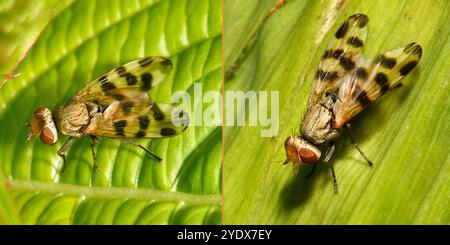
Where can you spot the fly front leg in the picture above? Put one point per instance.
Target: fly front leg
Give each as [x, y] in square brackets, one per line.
[327, 158]
[143, 148]
[94, 155]
[312, 171]
[352, 139]
[63, 149]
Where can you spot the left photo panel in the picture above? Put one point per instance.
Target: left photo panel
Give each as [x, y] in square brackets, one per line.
[111, 112]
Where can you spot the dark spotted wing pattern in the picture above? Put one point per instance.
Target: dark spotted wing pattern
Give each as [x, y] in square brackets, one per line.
[132, 119]
[130, 80]
[373, 79]
[341, 56]
[125, 109]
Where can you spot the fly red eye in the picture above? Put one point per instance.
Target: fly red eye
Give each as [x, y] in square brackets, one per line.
[43, 126]
[47, 136]
[308, 156]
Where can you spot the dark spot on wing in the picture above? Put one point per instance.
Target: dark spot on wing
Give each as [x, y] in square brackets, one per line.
[362, 98]
[146, 61]
[381, 79]
[157, 113]
[126, 107]
[146, 81]
[103, 79]
[167, 62]
[342, 30]
[338, 53]
[413, 48]
[327, 54]
[333, 53]
[384, 89]
[361, 19]
[346, 63]
[140, 134]
[407, 68]
[355, 42]
[143, 122]
[119, 126]
[397, 85]
[326, 75]
[361, 73]
[131, 79]
[107, 86]
[386, 61]
[118, 97]
[120, 70]
[168, 132]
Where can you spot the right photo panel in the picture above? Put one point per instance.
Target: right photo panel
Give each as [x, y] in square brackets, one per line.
[336, 112]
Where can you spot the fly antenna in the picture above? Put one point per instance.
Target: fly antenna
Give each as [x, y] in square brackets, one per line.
[284, 162]
[30, 135]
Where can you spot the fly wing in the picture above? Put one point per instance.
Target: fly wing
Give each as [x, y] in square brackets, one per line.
[341, 56]
[129, 81]
[367, 83]
[125, 109]
[138, 119]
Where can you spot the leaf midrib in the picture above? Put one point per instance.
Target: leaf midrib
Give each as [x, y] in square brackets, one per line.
[112, 192]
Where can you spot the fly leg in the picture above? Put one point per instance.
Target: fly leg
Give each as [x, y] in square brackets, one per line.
[94, 155]
[312, 171]
[295, 165]
[63, 149]
[327, 158]
[352, 139]
[143, 148]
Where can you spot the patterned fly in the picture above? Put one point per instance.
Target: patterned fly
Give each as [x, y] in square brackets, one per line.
[115, 105]
[343, 85]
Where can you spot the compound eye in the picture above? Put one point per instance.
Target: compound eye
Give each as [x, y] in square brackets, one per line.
[43, 126]
[308, 156]
[48, 136]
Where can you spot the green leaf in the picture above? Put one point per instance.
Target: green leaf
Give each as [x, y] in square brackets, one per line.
[83, 41]
[21, 22]
[406, 133]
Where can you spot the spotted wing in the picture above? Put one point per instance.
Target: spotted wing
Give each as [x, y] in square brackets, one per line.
[124, 107]
[367, 83]
[341, 56]
[129, 81]
[138, 119]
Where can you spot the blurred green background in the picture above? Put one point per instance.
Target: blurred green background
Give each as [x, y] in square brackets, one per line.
[76, 41]
[405, 133]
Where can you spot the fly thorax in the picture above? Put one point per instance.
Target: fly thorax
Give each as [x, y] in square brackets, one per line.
[316, 126]
[71, 119]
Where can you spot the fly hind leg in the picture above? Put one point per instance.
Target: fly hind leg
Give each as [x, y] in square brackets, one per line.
[94, 155]
[143, 148]
[352, 139]
[327, 158]
[312, 171]
[63, 149]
